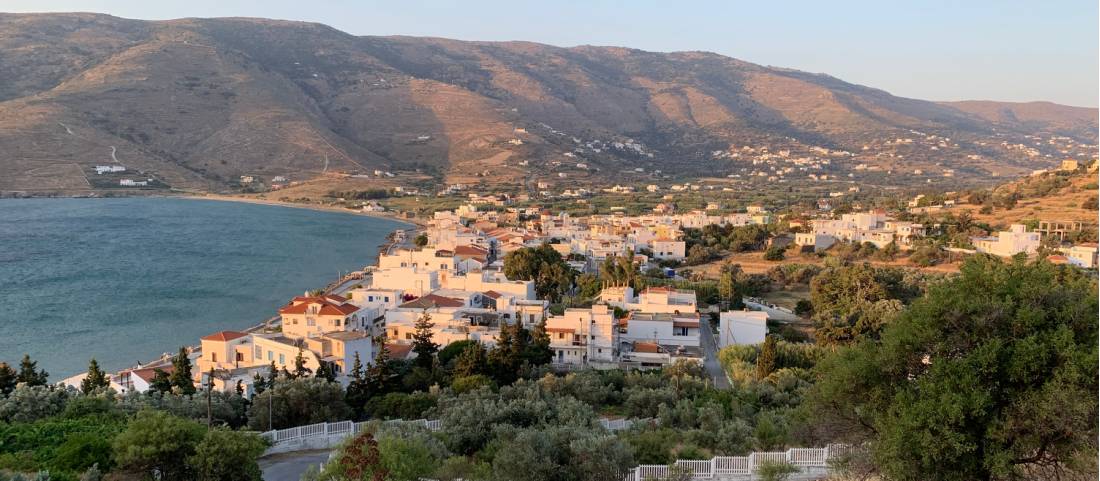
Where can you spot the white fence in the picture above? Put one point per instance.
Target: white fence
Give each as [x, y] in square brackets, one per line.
[326, 435]
[344, 429]
[807, 460]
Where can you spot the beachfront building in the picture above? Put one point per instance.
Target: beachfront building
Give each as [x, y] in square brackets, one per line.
[308, 316]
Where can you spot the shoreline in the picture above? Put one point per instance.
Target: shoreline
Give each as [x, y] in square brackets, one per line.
[162, 361]
[320, 208]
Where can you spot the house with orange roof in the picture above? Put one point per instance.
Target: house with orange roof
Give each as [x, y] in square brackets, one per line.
[308, 316]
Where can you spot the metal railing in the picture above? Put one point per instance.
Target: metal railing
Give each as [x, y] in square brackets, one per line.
[337, 429]
[725, 466]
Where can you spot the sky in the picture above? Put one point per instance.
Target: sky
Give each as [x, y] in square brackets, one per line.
[1005, 50]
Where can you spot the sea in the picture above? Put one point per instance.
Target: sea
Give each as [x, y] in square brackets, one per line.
[124, 280]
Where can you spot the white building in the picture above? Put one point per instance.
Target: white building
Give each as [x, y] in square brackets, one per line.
[742, 327]
[1008, 243]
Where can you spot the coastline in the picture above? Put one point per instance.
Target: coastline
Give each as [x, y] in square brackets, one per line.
[322, 208]
[274, 320]
[265, 321]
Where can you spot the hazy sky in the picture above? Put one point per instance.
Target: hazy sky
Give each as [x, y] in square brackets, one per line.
[935, 50]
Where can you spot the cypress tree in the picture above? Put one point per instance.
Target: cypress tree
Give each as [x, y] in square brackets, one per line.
[765, 362]
[161, 382]
[30, 374]
[96, 378]
[538, 351]
[356, 394]
[7, 378]
[423, 346]
[181, 374]
[300, 369]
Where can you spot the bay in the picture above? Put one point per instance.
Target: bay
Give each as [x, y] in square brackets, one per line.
[124, 280]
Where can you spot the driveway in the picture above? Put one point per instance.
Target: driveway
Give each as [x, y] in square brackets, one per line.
[710, 360]
[291, 466]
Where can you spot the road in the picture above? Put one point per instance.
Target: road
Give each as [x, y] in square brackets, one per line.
[773, 314]
[710, 360]
[291, 466]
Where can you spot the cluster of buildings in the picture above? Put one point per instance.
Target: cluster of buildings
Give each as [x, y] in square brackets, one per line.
[458, 282]
[874, 227]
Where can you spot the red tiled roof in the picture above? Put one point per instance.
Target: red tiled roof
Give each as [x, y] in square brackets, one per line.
[647, 347]
[331, 305]
[399, 351]
[689, 324]
[432, 300]
[493, 294]
[1058, 259]
[470, 250]
[560, 329]
[224, 336]
[147, 373]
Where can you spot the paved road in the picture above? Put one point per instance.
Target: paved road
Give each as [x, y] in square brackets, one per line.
[290, 466]
[710, 353]
[773, 314]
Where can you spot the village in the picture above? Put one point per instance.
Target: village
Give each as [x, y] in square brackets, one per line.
[451, 272]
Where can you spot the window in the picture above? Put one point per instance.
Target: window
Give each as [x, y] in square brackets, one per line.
[561, 336]
[386, 299]
[336, 322]
[240, 356]
[270, 355]
[282, 358]
[408, 335]
[213, 357]
[259, 353]
[310, 322]
[370, 298]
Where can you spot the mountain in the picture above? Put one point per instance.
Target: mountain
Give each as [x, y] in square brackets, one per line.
[196, 103]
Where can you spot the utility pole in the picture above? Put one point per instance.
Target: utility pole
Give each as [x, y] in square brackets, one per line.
[209, 390]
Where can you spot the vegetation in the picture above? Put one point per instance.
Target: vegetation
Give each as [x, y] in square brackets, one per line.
[552, 275]
[991, 375]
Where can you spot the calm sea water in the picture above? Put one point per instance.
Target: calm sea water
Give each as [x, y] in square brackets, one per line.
[124, 280]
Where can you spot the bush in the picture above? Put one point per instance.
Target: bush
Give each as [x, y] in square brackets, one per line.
[224, 454]
[298, 402]
[158, 442]
[470, 383]
[776, 471]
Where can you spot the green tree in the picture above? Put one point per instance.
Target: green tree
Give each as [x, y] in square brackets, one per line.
[774, 253]
[326, 370]
[96, 378]
[423, 345]
[538, 351]
[851, 302]
[382, 373]
[421, 240]
[181, 373]
[29, 373]
[7, 378]
[300, 369]
[991, 375]
[81, 451]
[357, 394]
[224, 454]
[157, 444]
[161, 382]
[297, 402]
[472, 361]
[552, 275]
[765, 361]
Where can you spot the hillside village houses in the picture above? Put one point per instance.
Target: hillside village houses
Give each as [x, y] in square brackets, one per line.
[1008, 243]
[874, 227]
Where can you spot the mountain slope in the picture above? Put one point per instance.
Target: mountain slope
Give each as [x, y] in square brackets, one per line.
[195, 103]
